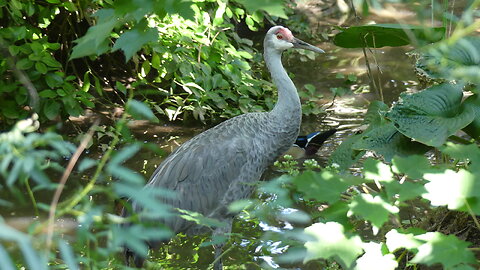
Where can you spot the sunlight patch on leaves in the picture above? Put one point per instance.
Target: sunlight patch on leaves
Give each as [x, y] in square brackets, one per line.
[375, 259]
[396, 240]
[330, 241]
[450, 188]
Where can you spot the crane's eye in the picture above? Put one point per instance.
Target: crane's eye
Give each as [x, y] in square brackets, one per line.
[279, 36]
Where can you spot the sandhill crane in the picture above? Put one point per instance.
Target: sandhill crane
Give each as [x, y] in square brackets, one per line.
[219, 165]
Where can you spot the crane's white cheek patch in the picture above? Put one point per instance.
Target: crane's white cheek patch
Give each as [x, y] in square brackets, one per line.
[283, 45]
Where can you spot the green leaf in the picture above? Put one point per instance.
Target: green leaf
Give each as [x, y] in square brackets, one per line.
[67, 255]
[404, 191]
[139, 111]
[432, 115]
[24, 64]
[345, 156]
[473, 129]
[200, 219]
[322, 187]
[469, 152]
[374, 209]
[47, 93]
[330, 241]
[375, 113]
[414, 166]
[447, 250]
[376, 170]
[51, 109]
[381, 35]
[132, 41]
[272, 7]
[53, 80]
[96, 40]
[156, 64]
[459, 60]
[375, 259]
[86, 163]
[337, 212]
[41, 67]
[387, 141]
[5, 259]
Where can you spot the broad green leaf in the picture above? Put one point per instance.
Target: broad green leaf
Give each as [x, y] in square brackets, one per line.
[375, 113]
[324, 186]
[376, 170]
[337, 212]
[67, 255]
[384, 139]
[96, 40]
[375, 259]
[374, 209]
[330, 241]
[5, 259]
[459, 60]
[41, 67]
[414, 166]
[133, 40]
[473, 129]
[432, 115]
[447, 250]
[51, 109]
[469, 152]
[200, 219]
[381, 35]
[345, 156]
[24, 63]
[272, 7]
[53, 80]
[404, 191]
[139, 110]
[47, 94]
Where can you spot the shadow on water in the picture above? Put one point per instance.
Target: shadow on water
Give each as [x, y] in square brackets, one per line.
[345, 113]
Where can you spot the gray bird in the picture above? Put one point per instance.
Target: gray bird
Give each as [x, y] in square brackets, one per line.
[220, 165]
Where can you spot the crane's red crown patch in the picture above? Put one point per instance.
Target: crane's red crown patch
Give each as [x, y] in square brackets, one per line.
[286, 33]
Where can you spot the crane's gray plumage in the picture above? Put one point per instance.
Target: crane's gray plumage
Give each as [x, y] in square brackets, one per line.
[218, 166]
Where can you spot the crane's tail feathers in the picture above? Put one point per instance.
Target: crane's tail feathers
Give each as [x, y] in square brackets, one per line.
[317, 140]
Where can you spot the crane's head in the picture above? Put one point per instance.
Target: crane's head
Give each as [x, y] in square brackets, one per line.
[281, 39]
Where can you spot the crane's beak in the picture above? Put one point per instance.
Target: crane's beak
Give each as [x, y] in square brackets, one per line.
[297, 43]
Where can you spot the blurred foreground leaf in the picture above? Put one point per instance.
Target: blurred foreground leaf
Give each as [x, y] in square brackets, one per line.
[330, 241]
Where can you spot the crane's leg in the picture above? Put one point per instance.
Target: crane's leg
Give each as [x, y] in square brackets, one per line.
[221, 231]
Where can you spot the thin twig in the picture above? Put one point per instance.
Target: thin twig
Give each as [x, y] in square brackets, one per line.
[91, 184]
[63, 180]
[221, 255]
[470, 211]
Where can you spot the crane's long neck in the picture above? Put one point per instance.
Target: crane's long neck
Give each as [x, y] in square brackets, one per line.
[288, 104]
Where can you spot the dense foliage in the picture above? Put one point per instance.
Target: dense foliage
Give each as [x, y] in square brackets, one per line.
[414, 205]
